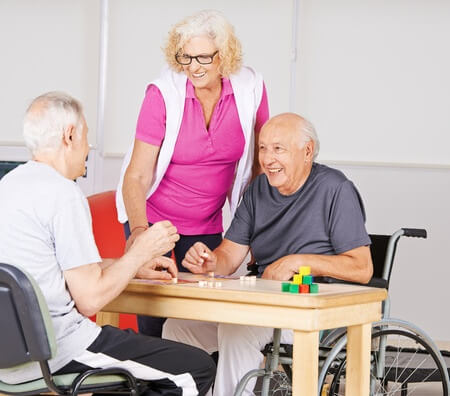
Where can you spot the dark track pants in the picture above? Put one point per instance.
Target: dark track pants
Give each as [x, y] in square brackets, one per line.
[171, 368]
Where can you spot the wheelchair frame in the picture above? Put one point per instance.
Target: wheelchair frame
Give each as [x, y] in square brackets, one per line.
[279, 354]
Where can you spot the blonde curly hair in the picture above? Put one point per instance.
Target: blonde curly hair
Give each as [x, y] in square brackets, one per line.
[212, 24]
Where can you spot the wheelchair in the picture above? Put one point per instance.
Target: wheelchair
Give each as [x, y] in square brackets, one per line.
[403, 357]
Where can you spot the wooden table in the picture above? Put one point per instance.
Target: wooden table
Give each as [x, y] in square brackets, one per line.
[263, 304]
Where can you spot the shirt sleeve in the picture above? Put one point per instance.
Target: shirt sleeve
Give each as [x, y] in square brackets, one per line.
[151, 124]
[241, 227]
[73, 236]
[347, 218]
[262, 115]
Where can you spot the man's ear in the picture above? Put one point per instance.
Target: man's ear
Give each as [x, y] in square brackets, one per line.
[68, 136]
[309, 150]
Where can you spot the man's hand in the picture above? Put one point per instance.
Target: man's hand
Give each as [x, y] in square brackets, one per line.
[200, 259]
[132, 237]
[282, 269]
[158, 268]
[153, 242]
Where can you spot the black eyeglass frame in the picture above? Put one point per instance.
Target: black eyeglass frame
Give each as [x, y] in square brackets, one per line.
[196, 58]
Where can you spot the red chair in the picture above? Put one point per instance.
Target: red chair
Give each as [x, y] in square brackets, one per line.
[109, 237]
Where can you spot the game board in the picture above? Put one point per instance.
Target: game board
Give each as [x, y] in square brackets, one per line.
[236, 283]
[187, 278]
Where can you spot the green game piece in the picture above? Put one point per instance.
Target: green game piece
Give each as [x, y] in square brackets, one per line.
[285, 286]
[293, 288]
[314, 288]
[307, 279]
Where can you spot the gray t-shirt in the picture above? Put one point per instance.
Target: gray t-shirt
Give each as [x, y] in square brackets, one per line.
[46, 228]
[325, 216]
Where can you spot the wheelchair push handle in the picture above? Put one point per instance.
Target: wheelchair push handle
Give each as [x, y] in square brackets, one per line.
[415, 232]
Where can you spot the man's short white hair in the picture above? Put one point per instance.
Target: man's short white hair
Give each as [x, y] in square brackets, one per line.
[308, 133]
[46, 119]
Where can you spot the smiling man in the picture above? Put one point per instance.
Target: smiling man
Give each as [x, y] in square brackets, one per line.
[298, 213]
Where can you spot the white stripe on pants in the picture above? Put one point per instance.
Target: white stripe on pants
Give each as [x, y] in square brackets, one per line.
[138, 370]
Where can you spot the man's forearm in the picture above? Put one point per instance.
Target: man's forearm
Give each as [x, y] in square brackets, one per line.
[339, 266]
[93, 286]
[228, 260]
[106, 262]
[223, 266]
[354, 265]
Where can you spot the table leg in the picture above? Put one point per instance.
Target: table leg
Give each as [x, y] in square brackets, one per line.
[358, 360]
[305, 361]
[107, 318]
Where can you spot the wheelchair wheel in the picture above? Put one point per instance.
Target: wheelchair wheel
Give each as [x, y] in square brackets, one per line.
[280, 385]
[402, 363]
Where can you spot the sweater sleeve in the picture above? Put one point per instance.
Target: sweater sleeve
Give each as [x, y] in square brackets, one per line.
[262, 115]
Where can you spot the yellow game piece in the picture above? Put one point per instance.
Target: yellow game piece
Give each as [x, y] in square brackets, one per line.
[297, 279]
[304, 270]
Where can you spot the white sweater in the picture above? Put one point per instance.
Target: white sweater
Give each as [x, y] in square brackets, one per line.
[247, 88]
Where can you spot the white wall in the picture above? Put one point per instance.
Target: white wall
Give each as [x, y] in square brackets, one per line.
[374, 78]
[371, 75]
[46, 45]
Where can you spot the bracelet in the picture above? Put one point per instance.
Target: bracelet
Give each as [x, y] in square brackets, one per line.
[135, 228]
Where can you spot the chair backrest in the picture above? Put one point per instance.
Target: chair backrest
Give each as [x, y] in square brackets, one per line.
[108, 232]
[109, 237]
[378, 251]
[383, 251]
[25, 326]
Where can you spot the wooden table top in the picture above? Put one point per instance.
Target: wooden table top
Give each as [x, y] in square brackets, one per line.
[261, 292]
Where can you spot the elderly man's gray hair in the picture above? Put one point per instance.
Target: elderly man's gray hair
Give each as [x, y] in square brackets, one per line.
[47, 117]
[308, 133]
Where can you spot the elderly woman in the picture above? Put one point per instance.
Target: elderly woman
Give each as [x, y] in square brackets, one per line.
[195, 138]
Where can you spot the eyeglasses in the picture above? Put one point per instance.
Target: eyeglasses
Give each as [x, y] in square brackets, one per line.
[185, 59]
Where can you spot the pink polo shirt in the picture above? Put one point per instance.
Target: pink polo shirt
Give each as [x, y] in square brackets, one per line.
[194, 188]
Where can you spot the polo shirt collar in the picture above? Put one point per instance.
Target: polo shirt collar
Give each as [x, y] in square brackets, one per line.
[226, 88]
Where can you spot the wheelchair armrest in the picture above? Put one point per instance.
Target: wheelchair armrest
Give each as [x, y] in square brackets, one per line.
[374, 282]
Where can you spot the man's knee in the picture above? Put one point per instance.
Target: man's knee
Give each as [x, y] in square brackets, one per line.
[175, 329]
[244, 336]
